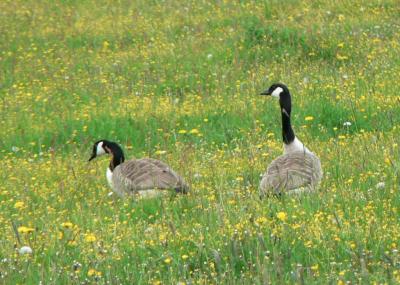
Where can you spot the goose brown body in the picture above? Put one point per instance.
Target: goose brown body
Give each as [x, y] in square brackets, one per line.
[292, 172]
[145, 176]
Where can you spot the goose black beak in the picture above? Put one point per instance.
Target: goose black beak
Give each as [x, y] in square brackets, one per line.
[93, 156]
[266, 92]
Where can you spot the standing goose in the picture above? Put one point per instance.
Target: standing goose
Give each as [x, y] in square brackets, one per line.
[144, 177]
[298, 169]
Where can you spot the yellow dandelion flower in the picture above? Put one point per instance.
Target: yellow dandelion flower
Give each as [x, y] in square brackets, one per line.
[309, 118]
[315, 267]
[90, 238]
[25, 230]
[161, 152]
[185, 256]
[341, 57]
[261, 220]
[19, 205]
[72, 243]
[182, 132]
[194, 131]
[67, 225]
[167, 260]
[281, 216]
[91, 272]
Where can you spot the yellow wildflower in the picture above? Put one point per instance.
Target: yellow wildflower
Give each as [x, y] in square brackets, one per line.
[341, 57]
[25, 230]
[90, 238]
[309, 118]
[67, 225]
[19, 205]
[282, 216]
[261, 220]
[91, 272]
[315, 267]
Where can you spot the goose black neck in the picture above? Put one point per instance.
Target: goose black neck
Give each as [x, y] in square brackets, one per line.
[117, 155]
[286, 108]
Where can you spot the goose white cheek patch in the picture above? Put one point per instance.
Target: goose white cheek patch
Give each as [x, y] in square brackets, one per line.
[100, 149]
[277, 92]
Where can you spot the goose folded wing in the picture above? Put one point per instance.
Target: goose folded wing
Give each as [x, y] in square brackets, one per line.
[148, 174]
[292, 171]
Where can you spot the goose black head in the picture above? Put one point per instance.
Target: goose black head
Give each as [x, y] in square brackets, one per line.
[280, 91]
[106, 147]
[99, 148]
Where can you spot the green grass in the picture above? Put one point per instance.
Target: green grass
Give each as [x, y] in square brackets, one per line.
[179, 81]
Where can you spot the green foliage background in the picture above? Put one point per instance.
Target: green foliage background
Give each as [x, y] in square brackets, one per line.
[178, 81]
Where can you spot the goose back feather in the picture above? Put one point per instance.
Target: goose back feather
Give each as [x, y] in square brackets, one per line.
[291, 172]
[139, 176]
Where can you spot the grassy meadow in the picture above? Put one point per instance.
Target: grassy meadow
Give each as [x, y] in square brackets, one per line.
[179, 81]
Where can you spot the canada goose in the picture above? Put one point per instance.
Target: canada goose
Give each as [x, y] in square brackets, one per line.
[145, 177]
[298, 169]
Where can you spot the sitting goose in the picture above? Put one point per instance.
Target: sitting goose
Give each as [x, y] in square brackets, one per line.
[145, 177]
[298, 169]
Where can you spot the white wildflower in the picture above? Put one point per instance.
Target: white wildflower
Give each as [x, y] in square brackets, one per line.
[197, 175]
[25, 250]
[380, 185]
